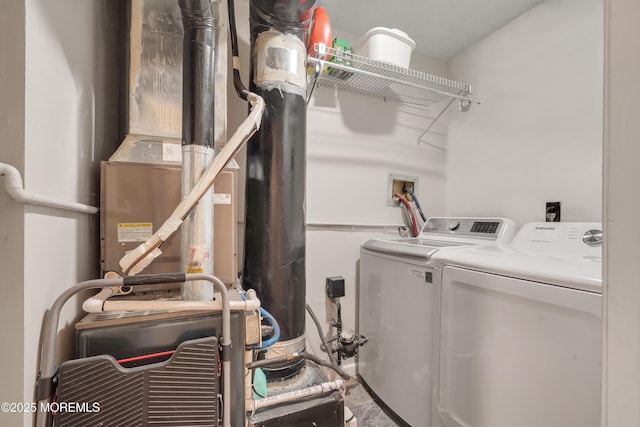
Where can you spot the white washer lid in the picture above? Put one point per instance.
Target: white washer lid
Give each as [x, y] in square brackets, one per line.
[411, 247]
[445, 232]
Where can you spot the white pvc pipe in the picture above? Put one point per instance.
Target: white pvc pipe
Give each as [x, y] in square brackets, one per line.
[104, 294]
[98, 303]
[139, 258]
[167, 305]
[15, 189]
[296, 394]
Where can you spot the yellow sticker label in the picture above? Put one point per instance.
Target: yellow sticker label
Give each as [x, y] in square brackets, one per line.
[195, 270]
[134, 231]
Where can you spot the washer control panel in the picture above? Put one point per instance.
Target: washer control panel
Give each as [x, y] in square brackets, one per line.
[476, 227]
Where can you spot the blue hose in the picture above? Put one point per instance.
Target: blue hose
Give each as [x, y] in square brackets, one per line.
[274, 324]
[276, 329]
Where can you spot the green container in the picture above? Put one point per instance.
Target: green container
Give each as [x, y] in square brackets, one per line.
[259, 384]
[342, 49]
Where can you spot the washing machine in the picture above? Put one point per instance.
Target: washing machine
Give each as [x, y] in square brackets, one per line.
[521, 330]
[398, 290]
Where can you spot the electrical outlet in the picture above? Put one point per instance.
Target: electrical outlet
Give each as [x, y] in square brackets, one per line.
[396, 183]
[552, 212]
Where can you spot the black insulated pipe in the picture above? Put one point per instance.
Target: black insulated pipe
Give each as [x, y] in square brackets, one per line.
[241, 90]
[286, 16]
[198, 72]
[274, 263]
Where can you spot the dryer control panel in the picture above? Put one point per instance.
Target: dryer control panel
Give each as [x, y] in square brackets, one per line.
[561, 240]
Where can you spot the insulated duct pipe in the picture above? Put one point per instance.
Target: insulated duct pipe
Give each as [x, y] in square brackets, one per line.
[274, 263]
[197, 141]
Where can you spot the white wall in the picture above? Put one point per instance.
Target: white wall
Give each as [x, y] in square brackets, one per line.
[538, 135]
[68, 96]
[353, 142]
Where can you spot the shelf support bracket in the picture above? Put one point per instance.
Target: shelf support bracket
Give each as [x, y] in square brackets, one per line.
[317, 70]
[464, 105]
[436, 118]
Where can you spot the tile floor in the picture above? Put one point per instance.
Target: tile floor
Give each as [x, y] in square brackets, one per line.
[365, 409]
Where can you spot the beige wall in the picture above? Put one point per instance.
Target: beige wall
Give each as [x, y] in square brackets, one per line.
[12, 35]
[621, 396]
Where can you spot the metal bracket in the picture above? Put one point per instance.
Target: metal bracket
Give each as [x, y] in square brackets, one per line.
[464, 105]
[316, 75]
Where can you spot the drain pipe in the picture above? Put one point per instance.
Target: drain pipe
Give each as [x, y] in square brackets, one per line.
[100, 303]
[15, 189]
[198, 82]
[274, 263]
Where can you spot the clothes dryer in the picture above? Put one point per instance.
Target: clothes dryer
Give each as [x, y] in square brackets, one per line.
[521, 330]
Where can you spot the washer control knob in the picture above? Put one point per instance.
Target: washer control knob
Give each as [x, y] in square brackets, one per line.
[592, 237]
[453, 225]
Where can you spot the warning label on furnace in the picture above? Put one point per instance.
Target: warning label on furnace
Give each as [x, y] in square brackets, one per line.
[134, 231]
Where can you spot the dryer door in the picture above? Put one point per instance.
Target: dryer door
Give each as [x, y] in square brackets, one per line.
[518, 353]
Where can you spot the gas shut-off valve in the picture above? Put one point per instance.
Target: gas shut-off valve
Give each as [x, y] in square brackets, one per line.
[344, 343]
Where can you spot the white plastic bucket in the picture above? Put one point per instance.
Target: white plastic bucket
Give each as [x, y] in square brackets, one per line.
[386, 45]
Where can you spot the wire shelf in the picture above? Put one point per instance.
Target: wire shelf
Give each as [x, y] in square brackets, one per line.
[362, 75]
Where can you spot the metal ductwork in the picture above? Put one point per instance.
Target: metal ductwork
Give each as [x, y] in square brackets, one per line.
[274, 263]
[198, 81]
